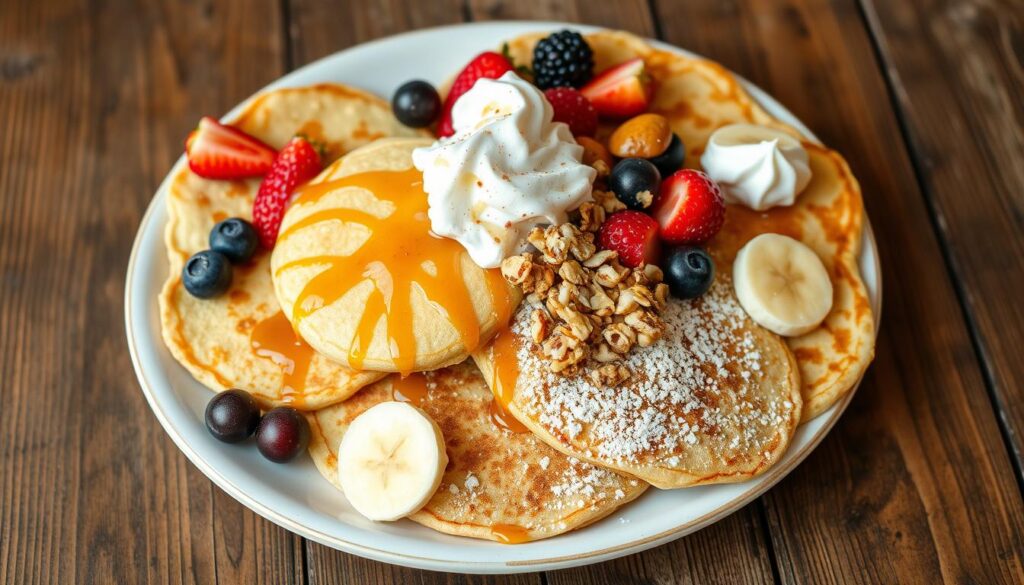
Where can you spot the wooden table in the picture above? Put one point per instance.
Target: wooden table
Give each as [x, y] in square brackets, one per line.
[920, 481]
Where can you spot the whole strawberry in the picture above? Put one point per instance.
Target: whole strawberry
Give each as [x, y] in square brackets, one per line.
[634, 235]
[295, 164]
[575, 110]
[490, 65]
[690, 208]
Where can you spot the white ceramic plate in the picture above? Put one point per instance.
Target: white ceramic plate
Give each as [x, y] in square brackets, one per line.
[295, 496]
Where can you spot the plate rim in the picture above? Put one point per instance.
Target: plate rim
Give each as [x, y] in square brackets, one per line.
[766, 481]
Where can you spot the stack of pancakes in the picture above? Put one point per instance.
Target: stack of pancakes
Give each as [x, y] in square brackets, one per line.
[716, 400]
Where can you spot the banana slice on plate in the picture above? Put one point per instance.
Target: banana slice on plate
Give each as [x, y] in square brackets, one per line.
[782, 284]
[391, 460]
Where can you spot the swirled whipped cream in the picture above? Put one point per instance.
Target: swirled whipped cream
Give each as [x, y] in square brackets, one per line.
[507, 169]
[756, 166]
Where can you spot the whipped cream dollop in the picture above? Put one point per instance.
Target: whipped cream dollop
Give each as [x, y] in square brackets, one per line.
[756, 166]
[507, 169]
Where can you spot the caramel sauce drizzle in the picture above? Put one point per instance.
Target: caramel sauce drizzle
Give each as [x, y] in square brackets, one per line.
[401, 251]
[274, 339]
[510, 533]
[505, 376]
[411, 389]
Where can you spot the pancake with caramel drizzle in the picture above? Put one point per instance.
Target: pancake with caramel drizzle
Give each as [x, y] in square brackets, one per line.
[699, 96]
[364, 280]
[242, 339]
[498, 485]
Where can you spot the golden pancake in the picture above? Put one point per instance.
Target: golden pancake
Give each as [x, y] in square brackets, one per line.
[499, 485]
[364, 281]
[213, 339]
[716, 400]
[699, 96]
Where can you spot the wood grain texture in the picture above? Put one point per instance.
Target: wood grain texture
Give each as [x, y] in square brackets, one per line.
[914, 485]
[957, 71]
[95, 100]
[328, 567]
[318, 28]
[731, 551]
[915, 482]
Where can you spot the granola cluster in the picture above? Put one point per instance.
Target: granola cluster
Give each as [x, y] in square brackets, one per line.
[589, 310]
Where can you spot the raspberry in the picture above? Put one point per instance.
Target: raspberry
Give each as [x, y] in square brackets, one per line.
[575, 110]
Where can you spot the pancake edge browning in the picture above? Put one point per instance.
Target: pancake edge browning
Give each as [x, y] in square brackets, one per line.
[256, 117]
[326, 463]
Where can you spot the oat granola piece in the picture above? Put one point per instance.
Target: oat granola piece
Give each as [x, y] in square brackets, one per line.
[589, 310]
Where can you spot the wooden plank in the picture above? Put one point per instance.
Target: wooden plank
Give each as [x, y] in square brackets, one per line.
[95, 100]
[956, 71]
[914, 484]
[731, 551]
[317, 28]
[328, 566]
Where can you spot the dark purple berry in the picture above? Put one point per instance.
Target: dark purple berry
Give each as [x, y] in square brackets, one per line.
[283, 434]
[232, 416]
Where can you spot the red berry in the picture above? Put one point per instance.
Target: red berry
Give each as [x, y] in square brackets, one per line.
[490, 65]
[690, 208]
[216, 151]
[620, 92]
[297, 163]
[634, 235]
[575, 110]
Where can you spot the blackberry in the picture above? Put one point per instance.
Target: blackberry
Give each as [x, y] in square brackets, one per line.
[563, 59]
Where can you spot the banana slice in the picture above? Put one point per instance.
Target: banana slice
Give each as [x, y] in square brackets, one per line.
[391, 460]
[782, 284]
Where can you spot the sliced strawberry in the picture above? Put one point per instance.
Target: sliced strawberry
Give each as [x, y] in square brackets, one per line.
[572, 108]
[490, 65]
[216, 151]
[634, 235]
[690, 208]
[297, 163]
[622, 91]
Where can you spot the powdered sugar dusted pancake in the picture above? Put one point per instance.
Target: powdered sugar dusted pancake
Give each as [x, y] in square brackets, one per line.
[699, 96]
[716, 400]
[211, 338]
[498, 485]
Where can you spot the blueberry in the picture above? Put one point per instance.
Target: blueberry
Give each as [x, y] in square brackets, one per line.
[671, 160]
[635, 182]
[235, 238]
[416, 104]
[689, 271]
[232, 416]
[283, 434]
[207, 274]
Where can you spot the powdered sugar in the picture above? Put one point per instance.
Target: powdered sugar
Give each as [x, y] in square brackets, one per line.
[701, 388]
[581, 484]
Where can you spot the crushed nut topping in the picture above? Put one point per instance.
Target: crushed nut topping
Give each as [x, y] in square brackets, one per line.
[588, 309]
[645, 198]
